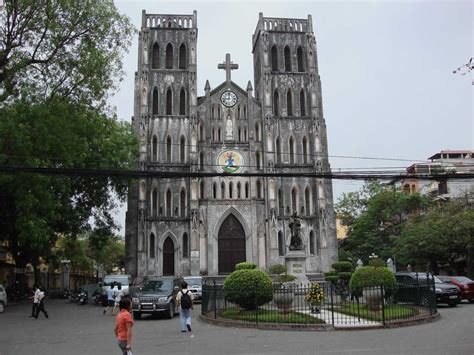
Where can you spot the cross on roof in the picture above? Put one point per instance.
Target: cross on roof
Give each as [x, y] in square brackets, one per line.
[228, 66]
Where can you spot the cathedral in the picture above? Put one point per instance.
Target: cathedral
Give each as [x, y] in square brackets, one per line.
[240, 141]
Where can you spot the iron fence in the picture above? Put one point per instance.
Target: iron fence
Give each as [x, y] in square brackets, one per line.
[289, 304]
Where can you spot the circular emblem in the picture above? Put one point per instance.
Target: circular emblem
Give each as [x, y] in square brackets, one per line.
[230, 161]
[229, 98]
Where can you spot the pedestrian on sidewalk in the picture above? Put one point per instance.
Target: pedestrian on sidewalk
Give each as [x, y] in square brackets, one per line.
[118, 296]
[41, 298]
[184, 301]
[110, 298]
[123, 326]
[35, 301]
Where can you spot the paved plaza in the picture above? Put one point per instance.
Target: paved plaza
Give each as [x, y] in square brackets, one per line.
[74, 329]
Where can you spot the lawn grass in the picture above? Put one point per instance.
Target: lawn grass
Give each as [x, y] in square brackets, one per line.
[266, 316]
[392, 311]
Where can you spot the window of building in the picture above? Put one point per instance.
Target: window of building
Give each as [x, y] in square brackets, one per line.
[201, 190]
[169, 56]
[151, 247]
[185, 246]
[182, 57]
[276, 104]
[311, 243]
[154, 203]
[302, 103]
[155, 102]
[246, 190]
[155, 57]
[259, 189]
[257, 160]
[168, 149]
[222, 190]
[287, 59]
[201, 161]
[168, 203]
[182, 150]
[214, 190]
[294, 196]
[231, 190]
[154, 149]
[182, 203]
[274, 58]
[305, 150]
[289, 103]
[299, 55]
[201, 132]
[238, 190]
[182, 102]
[169, 102]
[281, 244]
[292, 150]
[278, 150]
[257, 132]
[307, 200]
[281, 207]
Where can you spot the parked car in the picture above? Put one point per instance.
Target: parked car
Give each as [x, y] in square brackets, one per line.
[108, 280]
[157, 296]
[3, 299]
[195, 286]
[465, 285]
[409, 290]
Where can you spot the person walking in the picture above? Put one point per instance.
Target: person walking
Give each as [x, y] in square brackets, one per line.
[110, 298]
[123, 326]
[35, 301]
[184, 300]
[40, 308]
[118, 296]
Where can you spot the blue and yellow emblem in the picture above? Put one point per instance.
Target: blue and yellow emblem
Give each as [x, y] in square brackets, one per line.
[230, 161]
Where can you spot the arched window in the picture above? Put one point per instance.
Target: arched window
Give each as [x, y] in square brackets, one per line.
[289, 103]
[246, 190]
[287, 59]
[281, 244]
[257, 132]
[168, 203]
[276, 104]
[274, 58]
[185, 246]
[299, 55]
[238, 190]
[239, 134]
[155, 102]
[238, 112]
[154, 203]
[292, 151]
[302, 103]
[169, 56]
[182, 57]
[307, 201]
[218, 112]
[231, 190]
[201, 161]
[257, 160]
[154, 149]
[155, 57]
[151, 247]
[278, 150]
[259, 189]
[222, 190]
[281, 207]
[214, 190]
[305, 150]
[201, 133]
[294, 196]
[182, 102]
[182, 150]
[201, 189]
[168, 149]
[182, 203]
[169, 102]
[311, 243]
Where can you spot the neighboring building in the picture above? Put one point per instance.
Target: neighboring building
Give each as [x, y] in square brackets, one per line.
[341, 230]
[183, 226]
[459, 161]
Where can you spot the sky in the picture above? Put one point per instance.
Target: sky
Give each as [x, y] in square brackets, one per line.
[386, 69]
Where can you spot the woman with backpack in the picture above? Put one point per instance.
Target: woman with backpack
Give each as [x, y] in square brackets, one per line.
[184, 300]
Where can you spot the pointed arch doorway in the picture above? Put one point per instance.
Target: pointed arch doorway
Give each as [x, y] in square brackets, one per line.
[168, 257]
[231, 244]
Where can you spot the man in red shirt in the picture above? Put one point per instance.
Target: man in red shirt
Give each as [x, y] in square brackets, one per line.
[123, 326]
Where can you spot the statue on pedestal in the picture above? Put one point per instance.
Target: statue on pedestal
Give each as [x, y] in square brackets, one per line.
[295, 226]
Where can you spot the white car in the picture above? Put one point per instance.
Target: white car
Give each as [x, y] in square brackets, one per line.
[195, 286]
[3, 298]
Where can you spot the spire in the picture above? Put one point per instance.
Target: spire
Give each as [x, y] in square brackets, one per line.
[207, 87]
[249, 86]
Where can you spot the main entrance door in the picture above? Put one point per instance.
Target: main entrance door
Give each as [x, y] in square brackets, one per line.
[231, 244]
[168, 257]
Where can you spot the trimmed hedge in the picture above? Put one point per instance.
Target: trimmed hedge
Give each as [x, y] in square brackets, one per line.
[248, 288]
[373, 276]
[246, 265]
[277, 269]
[377, 262]
[343, 266]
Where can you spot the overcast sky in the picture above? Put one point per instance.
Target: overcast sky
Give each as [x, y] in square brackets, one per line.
[385, 66]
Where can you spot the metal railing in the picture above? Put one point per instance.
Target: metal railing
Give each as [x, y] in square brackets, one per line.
[372, 306]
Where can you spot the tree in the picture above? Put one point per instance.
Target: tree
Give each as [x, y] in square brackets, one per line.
[376, 218]
[107, 250]
[56, 48]
[442, 235]
[35, 209]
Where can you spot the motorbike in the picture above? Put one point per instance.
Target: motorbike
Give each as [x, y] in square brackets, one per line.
[73, 296]
[96, 297]
[83, 297]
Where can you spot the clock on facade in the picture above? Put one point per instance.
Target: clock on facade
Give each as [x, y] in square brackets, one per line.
[229, 98]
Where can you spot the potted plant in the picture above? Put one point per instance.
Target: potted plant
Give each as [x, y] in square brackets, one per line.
[315, 297]
[283, 292]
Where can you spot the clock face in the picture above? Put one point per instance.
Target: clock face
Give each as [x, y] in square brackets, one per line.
[229, 98]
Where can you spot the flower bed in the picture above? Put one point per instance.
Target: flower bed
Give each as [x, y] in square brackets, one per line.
[393, 311]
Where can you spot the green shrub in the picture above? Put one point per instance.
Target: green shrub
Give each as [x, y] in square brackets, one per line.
[331, 279]
[343, 266]
[246, 265]
[344, 275]
[277, 269]
[248, 288]
[330, 273]
[372, 276]
[286, 278]
[376, 262]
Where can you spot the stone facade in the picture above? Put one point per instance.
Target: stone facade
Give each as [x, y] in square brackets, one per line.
[193, 226]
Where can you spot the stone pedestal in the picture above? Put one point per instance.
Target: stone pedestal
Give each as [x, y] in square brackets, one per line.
[295, 261]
